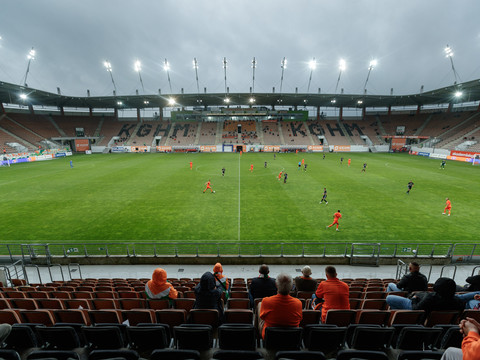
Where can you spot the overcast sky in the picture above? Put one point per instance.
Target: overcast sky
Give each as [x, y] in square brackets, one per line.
[72, 39]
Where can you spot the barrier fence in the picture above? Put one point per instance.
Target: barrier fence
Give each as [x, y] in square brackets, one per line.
[458, 252]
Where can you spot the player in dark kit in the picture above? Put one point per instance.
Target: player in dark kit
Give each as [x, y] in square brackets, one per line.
[305, 167]
[443, 164]
[364, 167]
[341, 160]
[409, 185]
[285, 176]
[223, 171]
[323, 156]
[324, 197]
[265, 165]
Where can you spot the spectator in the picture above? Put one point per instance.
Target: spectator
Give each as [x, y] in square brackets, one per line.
[442, 298]
[335, 293]
[470, 350]
[280, 310]
[473, 284]
[262, 286]
[207, 295]
[305, 282]
[415, 281]
[159, 288]
[5, 330]
[221, 280]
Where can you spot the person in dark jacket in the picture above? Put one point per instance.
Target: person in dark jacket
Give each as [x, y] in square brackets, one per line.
[262, 286]
[442, 298]
[414, 281]
[207, 295]
[305, 282]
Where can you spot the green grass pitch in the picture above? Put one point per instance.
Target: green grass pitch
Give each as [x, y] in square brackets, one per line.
[151, 197]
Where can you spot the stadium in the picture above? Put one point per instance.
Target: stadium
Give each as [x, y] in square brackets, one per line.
[100, 190]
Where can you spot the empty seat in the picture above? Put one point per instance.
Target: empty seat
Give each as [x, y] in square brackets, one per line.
[53, 354]
[300, 355]
[105, 316]
[283, 338]
[236, 355]
[418, 338]
[186, 304]
[441, 317]
[372, 338]
[75, 316]
[38, 316]
[158, 304]
[175, 354]
[103, 337]
[205, 317]
[238, 303]
[193, 337]
[310, 317]
[49, 304]
[238, 316]
[8, 354]
[21, 303]
[128, 304]
[135, 317]
[113, 354]
[237, 337]
[361, 355]
[76, 304]
[324, 338]
[58, 337]
[341, 317]
[376, 317]
[406, 317]
[147, 338]
[171, 317]
[101, 304]
[21, 337]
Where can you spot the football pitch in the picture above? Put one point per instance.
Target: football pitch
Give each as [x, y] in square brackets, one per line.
[157, 197]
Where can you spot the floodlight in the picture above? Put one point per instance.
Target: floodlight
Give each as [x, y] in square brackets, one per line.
[458, 94]
[448, 52]
[171, 101]
[251, 100]
[284, 63]
[166, 67]
[333, 101]
[23, 96]
[119, 103]
[342, 65]
[195, 64]
[373, 63]
[138, 66]
[108, 66]
[146, 102]
[227, 100]
[360, 102]
[31, 54]
[312, 64]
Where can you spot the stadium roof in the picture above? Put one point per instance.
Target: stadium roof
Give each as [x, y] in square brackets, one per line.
[470, 92]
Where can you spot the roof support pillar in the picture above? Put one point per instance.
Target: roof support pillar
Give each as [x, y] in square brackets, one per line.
[138, 115]
[389, 110]
[418, 110]
[478, 109]
[30, 107]
[2, 109]
[318, 113]
[62, 111]
[364, 113]
[115, 113]
[90, 111]
[340, 113]
[449, 108]
[160, 113]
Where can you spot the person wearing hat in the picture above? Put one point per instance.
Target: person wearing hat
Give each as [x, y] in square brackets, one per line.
[305, 282]
[221, 281]
[158, 287]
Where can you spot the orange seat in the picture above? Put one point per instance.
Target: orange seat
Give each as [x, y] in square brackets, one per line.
[39, 316]
[238, 316]
[20, 303]
[50, 304]
[105, 316]
[8, 316]
[406, 317]
[74, 316]
[38, 294]
[138, 316]
[158, 304]
[100, 304]
[76, 303]
[128, 304]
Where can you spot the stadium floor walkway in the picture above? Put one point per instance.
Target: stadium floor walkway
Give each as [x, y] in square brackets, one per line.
[247, 271]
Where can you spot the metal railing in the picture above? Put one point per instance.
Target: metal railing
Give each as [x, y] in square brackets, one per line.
[42, 253]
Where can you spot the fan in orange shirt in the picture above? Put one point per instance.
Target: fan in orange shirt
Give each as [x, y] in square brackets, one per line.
[448, 206]
[336, 217]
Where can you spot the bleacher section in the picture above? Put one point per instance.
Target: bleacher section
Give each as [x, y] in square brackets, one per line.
[31, 139]
[182, 134]
[69, 123]
[295, 133]
[112, 127]
[271, 133]
[84, 316]
[411, 122]
[39, 124]
[208, 133]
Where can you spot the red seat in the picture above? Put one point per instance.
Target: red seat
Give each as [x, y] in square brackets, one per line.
[376, 317]
[406, 317]
[138, 316]
[105, 316]
[239, 316]
[186, 304]
[8, 316]
[39, 316]
[100, 304]
[27, 304]
[50, 304]
[158, 304]
[238, 303]
[76, 304]
[205, 317]
[38, 294]
[128, 304]
[341, 317]
[310, 317]
[74, 316]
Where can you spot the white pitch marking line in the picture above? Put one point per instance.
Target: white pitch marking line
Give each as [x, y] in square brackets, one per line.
[238, 198]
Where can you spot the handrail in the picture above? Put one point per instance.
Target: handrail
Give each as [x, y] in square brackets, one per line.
[449, 265]
[72, 270]
[473, 270]
[400, 264]
[50, 271]
[38, 272]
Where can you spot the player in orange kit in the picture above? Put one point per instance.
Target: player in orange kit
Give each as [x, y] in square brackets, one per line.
[349, 162]
[448, 206]
[280, 175]
[336, 217]
[191, 165]
[251, 167]
[208, 187]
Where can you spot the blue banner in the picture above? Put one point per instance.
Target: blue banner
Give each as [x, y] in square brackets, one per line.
[60, 154]
[423, 154]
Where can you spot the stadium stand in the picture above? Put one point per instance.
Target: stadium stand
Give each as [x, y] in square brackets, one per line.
[296, 133]
[271, 133]
[182, 133]
[208, 133]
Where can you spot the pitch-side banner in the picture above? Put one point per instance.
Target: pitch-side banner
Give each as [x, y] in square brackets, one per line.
[315, 148]
[464, 153]
[398, 143]
[208, 148]
[82, 145]
[164, 148]
[341, 148]
[271, 148]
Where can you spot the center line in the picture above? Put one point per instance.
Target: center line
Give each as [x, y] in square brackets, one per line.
[239, 198]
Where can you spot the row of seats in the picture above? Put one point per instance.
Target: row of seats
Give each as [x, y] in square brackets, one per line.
[146, 338]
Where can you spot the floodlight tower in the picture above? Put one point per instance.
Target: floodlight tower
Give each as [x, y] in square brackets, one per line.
[195, 66]
[30, 57]
[283, 65]
[449, 54]
[225, 74]
[254, 66]
[166, 67]
[108, 66]
[341, 66]
[138, 68]
[312, 65]
[373, 63]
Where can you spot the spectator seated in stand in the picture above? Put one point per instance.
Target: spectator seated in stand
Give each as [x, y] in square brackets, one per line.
[262, 286]
[470, 345]
[159, 288]
[221, 280]
[335, 294]
[208, 295]
[281, 310]
[305, 282]
[414, 281]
